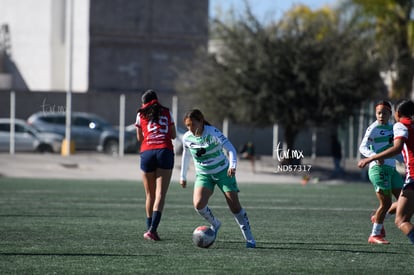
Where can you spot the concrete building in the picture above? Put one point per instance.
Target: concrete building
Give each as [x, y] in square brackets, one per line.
[118, 45]
[137, 44]
[38, 43]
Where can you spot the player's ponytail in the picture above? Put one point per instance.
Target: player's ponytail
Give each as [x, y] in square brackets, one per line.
[151, 108]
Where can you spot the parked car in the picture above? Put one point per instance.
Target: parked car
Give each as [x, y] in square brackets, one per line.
[27, 138]
[88, 131]
[131, 130]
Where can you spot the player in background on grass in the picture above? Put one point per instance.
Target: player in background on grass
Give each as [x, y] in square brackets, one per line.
[248, 152]
[336, 151]
[403, 142]
[205, 144]
[384, 176]
[155, 130]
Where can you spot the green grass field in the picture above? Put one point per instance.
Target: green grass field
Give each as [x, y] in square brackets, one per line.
[96, 227]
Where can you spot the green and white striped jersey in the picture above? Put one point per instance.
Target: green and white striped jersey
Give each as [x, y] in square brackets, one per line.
[377, 139]
[207, 152]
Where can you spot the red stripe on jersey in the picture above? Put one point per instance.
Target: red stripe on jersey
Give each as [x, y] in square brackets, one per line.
[408, 150]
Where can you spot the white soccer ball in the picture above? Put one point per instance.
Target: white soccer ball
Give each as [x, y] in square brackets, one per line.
[204, 236]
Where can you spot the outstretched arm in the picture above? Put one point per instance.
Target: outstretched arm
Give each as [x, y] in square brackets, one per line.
[394, 150]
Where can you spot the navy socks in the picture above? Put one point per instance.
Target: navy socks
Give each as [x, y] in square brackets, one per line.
[156, 218]
[149, 222]
[410, 235]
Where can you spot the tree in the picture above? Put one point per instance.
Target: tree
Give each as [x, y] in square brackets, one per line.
[393, 27]
[303, 70]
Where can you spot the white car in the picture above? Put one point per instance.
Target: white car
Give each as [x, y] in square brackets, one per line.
[28, 139]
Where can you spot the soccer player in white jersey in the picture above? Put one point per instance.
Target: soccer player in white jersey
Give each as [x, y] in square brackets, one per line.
[403, 143]
[205, 144]
[383, 175]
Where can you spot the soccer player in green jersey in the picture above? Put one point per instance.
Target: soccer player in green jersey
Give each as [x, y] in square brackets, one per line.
[383, 175]
[205, 144]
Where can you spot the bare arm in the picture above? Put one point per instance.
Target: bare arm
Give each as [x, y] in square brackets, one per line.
[140, 136]
[394, 150]
[173, 131]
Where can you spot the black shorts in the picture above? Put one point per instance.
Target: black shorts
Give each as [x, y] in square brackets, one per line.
[409, 184]
[157, 158]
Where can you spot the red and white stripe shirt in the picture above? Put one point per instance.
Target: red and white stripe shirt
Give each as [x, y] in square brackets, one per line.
[404, 129]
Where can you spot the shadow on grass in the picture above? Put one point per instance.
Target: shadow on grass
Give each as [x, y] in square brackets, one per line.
[324, 247]
[48, 216]
[74, 254]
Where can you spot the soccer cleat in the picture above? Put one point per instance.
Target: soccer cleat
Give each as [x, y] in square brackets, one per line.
[151, 236]
[377, 239]
[383, 228]
[251, 244]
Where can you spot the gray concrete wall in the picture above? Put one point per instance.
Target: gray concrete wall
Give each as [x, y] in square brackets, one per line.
[136, 44]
